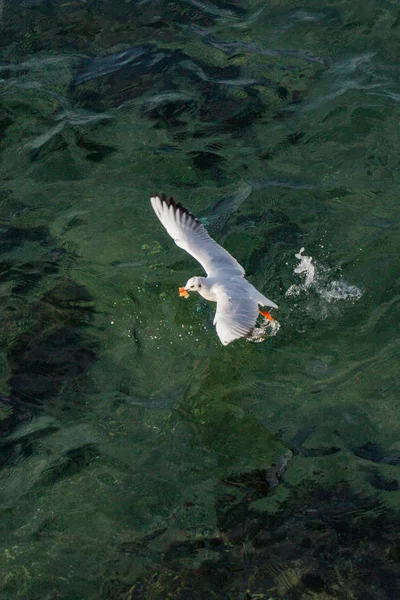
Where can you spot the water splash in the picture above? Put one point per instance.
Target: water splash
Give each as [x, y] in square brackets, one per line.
[266, 330]
[317, 280]
[307, 267]
[340, 290]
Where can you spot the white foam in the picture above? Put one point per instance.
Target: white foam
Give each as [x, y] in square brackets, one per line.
[265, 330]
[307, 267]
[316, 279]
[340, 290]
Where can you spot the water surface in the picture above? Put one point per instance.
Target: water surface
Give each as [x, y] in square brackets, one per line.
[140, 459]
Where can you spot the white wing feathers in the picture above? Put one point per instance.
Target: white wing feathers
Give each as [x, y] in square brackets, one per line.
[189, 234]
[237, 300]
[235, 317]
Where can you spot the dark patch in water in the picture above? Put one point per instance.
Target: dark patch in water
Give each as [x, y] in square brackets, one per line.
[67, 294]
[41, 364]
[380, 482]
[285, 233]
[375, 453]
[167, 110]
[95, 152]
[206, 160]
[8, 419]
[15, 236]
[324, 539]
[5, 118]
[133, 72]
[141, 548]
[48, 348]
[302, 436]
[209, 161]
[72, 462]
[294, 138]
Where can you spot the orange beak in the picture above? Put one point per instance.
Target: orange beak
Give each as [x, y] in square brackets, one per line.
[267, 315]
[183, 293]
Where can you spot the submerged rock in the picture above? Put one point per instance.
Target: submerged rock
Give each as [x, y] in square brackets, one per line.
[48, 349]
[328, 542]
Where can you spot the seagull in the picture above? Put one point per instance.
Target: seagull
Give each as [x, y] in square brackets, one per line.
[237, 300]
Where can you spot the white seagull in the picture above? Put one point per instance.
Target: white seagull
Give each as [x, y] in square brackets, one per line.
[237, 300]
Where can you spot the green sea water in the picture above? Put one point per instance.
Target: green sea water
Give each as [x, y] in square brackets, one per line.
[139, 458]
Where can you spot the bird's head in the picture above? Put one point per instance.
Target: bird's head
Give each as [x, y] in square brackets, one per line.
[194, 284]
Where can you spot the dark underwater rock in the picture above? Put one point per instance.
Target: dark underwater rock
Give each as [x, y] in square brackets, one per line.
[12, 236]
[375, 453]
[326, 540]
[73, 461]
[42, 364]
[69, 295]
[7, 415]
[380, 482]
[5, 118]
[48, 348]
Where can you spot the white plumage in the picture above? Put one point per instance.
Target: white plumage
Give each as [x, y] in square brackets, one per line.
[237, 300]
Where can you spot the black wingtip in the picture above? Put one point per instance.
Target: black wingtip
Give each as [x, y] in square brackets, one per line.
[177, 205]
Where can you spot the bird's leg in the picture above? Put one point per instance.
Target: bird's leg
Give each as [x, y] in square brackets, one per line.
[266, 314]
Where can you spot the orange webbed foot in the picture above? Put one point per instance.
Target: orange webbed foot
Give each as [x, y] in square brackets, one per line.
[266, 314]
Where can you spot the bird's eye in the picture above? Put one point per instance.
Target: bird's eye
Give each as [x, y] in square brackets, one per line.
[199, 285]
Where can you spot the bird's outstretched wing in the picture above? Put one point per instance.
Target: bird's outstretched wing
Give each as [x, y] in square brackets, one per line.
[189, 234]
[236, 315]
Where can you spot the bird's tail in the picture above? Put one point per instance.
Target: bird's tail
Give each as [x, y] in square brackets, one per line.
[264, 301]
